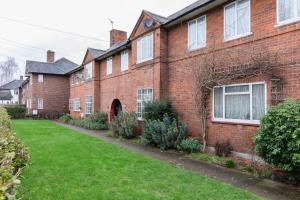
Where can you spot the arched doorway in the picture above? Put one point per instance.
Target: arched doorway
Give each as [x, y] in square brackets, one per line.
[116, 108]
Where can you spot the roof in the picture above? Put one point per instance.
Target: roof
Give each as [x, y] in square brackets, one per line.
[95, 52]
[15, 84]
[157, 17]
[5, 95]
[114, 48]
[59, 67]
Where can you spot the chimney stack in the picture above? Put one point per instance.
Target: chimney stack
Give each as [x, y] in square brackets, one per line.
[50, 56]
[117, 36]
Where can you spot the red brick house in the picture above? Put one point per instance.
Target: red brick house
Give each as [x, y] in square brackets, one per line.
[46, 91]
[155, 63]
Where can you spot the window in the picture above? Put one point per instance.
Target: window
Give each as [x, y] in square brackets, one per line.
[237, 22]
[145, 48]
[197, 33]
[143, 96]
[89, 71]
[288, 11]
[239, 103]
[40, 78]
[71, 104]
[30, 103]
[124, 60]
[40, 104]
[76, 105]
[88, 105]
[109, 66]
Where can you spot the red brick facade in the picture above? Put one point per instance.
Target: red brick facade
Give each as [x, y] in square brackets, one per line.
[170, 75]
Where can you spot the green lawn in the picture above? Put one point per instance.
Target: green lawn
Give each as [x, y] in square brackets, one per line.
[67, 165]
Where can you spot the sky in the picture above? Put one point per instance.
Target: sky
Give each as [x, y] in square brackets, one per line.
[84, 17]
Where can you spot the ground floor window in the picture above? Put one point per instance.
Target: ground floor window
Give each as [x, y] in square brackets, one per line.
[143, 96]
[71, 104]
[88, 105]
[239, 103]
[40, 103]
[76, 104]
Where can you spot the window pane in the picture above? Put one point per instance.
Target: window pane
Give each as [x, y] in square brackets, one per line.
[230, 16]
[298, 10]
[192, 35]
[201, 32]
[258, 101]
[218, 102]
[237, 107]
[243, 17]
[236, 89]
[285, 9]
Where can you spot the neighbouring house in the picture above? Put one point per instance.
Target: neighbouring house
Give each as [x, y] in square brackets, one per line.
[5, 97]
[158, 59]
[14, 87]
[46, 91]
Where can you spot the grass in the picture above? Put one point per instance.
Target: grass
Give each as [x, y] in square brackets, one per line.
[65, 164]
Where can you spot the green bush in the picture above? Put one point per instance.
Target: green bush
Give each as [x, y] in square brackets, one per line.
[156, 110]
[16, 111]
[96, 121]
[277, 140]
[190, 145]
[229, 164]
[124, 125]
[65, 118]
[165, 134]
[13, 157]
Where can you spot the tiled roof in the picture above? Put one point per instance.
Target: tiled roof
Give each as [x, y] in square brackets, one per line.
[5, 95]
[95, 52]
[157, 17]
[15, 84]
[59, 67]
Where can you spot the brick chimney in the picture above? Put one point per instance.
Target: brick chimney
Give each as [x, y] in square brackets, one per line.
[117, 36]
[50, 56]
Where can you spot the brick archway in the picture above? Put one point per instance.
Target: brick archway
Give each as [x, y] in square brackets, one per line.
[116, 108]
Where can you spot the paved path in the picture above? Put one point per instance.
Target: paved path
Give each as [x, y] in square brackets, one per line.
[264, 188]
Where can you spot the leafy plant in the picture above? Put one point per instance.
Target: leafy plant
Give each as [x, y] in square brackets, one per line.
[16, 111]
[96, 121]
[66, 118]
[223, 149]
[229, 164]
[156, 110]
[165, 134]
[190, 145]
[124, 125]
[277, 140]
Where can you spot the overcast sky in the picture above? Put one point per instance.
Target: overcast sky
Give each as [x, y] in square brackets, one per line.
[84, 17]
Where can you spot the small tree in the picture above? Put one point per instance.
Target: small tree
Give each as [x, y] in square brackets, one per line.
[8, 70]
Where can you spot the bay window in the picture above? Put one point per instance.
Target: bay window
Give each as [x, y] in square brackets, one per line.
[239, 103]
[197, 33]
[288, 11]
[145, 48]
[143, 96]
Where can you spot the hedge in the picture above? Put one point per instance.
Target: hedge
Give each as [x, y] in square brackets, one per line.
[16, 111]
[13, 157]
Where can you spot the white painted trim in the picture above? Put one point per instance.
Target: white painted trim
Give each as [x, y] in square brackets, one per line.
[137, 100]
[288, 21]
[137, 49]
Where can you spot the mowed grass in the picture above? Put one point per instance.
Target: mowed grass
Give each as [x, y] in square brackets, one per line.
[65, 164]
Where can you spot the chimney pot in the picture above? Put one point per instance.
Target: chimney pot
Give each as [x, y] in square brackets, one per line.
[117, 36]
[50, 56]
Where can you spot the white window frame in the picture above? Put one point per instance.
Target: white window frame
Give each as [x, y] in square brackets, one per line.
[109, 66]
[77, 105]
[89, 71]
[124, 60]
[88, 104]
[141, 101]
[205, 29]
[251, 121]
[40, 103]
[71, 104]
[140, 49]
[288, 21]
[40, 78]
[236, 27]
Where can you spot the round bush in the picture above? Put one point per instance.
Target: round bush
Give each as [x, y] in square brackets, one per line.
[278, 139]
[190, 145]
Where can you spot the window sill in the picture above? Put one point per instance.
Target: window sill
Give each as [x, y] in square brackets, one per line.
[145, 60]
[197, 49]
[288, 22]
[237, 122]
[238, 37]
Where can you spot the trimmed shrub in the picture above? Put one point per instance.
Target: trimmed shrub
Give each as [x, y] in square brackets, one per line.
[13, 157]
[16, 111]
[190, 145]
[278, 139]
[65, 118]
[156, 110]
[229, 164]
[166, 134]
[124, 125]
[223, 149]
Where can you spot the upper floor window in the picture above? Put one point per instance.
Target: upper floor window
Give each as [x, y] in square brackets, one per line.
[237, 19]
[89, 71]
[197, 33]
[109, 66]
[124, 60]
[288, 11]
[143, 96]
[239, 103]
[40, 78]
[145, 48]
[40, 103]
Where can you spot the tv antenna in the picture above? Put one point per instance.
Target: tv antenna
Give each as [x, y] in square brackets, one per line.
[112, 23]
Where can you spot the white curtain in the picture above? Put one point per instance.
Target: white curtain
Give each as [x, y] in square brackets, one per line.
[230, 17]
[192, 35]
[237, 106]
[218, 102]
[286, 9]
[201, 23]
[258, 101]
[243, 17]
